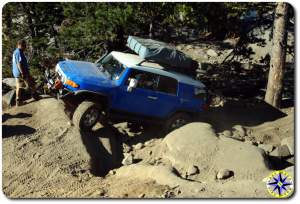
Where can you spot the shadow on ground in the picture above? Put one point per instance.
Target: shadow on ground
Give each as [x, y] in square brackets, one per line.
[104, 148]
[240, 112]
[7, 116]
[16, 130]
[277, 163]
[142, 133]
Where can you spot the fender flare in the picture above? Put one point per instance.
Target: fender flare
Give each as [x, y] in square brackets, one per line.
[93, 95]
[88, 92]
[180, 111]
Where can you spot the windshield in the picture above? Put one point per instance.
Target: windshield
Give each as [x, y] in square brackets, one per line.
[111, 67]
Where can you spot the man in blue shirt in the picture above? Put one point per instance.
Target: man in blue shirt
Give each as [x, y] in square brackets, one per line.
[20, 71]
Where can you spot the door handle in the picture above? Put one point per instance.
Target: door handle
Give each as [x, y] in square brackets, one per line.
[152, 97]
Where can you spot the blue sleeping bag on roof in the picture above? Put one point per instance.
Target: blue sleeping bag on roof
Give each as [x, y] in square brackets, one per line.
[162, 53]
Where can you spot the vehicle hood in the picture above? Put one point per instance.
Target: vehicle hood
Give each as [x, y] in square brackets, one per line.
[86, 74]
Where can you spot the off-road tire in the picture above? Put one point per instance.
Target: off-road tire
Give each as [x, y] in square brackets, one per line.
[169, 124]
[80, 114]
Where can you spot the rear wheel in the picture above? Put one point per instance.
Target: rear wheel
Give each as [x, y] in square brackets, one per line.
[86, 115]
[176, 121]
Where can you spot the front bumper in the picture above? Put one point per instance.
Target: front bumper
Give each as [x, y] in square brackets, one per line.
[55, 85]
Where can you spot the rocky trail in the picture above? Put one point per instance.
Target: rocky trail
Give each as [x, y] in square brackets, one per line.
[226, 153]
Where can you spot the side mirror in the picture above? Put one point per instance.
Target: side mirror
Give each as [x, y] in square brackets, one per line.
[132, 84]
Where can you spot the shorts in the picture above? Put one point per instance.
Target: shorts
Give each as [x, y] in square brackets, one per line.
[28, 81]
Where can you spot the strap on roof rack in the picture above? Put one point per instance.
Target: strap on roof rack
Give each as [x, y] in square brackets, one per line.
[139, 64]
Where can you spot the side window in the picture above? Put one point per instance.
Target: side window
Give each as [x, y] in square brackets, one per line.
[167, 85]
[145, 80]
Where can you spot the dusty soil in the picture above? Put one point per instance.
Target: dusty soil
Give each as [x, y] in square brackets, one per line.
[45, 156]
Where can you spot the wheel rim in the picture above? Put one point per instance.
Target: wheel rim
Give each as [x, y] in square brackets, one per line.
[90, 117]
[178, 123]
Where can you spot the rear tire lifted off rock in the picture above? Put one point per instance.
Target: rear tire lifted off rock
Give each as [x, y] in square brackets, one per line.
[86, 115]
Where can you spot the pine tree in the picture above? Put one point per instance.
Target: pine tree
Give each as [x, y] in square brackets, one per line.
[277, 63]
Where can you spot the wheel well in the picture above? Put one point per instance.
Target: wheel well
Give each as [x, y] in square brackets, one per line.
[190, 114]
[73, 100]
[90, 96]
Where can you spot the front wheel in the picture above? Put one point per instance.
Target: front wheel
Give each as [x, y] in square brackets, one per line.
[86, 115]
[176, 121]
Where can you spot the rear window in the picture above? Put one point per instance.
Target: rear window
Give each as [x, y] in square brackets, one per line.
[167, 85]
[200, 93]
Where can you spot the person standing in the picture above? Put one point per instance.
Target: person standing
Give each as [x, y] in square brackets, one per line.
[20, 71]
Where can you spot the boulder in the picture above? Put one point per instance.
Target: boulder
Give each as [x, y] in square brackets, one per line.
[179, 47]
[112, 172]
[250, 142]
[240, 129]
[291, 160]
[192, 170]
[284, 151]
[231, 41]
[211, 53]
[128, 159]
[189, 47]
[197, 144]
[163, 175]
[126, 148]
[266, 147]
[202, 54]
[281, 151]
[247, 66]
[11, 82]
[289, 142]
[237, 137]
[224, 174]
[227, 133]
[138, 146]
[9, 97]
[148, 143]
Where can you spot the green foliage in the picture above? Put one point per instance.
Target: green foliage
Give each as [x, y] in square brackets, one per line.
[78, 30]
[34, 22]
[87, 25]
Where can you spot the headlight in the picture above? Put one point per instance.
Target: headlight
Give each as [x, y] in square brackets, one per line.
[59, 73]
[71, 83]
[57, 68]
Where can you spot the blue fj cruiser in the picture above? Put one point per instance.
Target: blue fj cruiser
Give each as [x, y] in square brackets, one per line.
[125, 87]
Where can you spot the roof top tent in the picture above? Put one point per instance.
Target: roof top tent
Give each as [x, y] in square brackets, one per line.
[163, 54]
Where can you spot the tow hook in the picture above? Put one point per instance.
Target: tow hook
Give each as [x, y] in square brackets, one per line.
[58, 84]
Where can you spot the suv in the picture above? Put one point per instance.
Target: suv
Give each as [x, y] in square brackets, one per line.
[124, 87]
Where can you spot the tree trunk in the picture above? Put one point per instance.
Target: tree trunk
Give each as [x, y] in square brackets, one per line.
[278, 54]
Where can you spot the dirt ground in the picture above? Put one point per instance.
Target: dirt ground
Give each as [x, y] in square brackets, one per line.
[45, 156]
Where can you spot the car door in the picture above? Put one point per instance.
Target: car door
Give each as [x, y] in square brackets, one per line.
[142, 99]
[167, 97]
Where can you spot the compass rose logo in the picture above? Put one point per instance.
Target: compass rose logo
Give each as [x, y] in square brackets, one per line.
[280, 184]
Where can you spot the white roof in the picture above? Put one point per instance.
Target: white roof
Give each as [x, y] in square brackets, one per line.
[133, 61]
